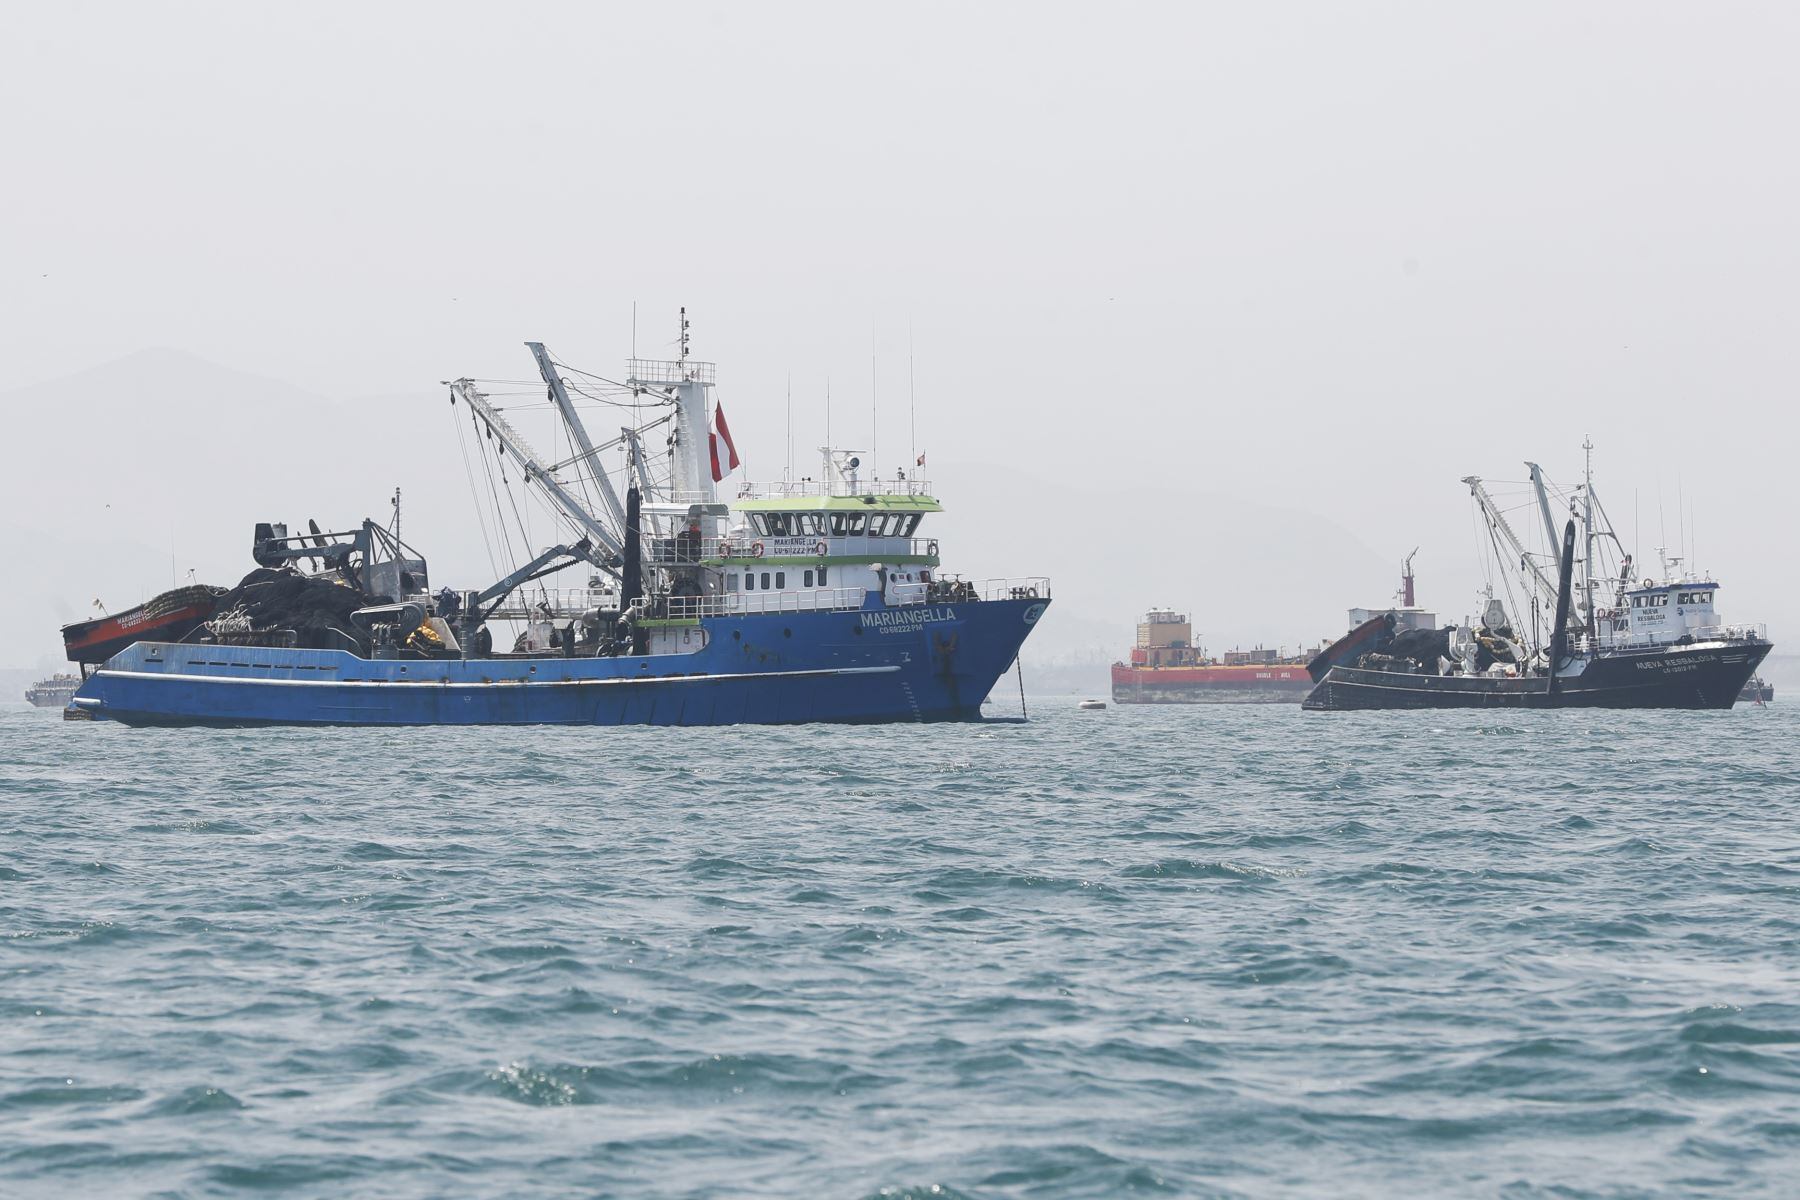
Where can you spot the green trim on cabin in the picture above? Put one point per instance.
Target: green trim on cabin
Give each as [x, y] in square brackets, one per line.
[872, 503]
[668, 622]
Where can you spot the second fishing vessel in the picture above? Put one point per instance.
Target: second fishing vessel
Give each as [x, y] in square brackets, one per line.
[1654, 643]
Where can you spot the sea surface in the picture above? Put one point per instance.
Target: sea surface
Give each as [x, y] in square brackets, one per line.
[1208, 951]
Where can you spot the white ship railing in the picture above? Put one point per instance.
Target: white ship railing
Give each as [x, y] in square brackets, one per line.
[658, 370]
[951, 587]
[562, 603]
[950, 591]
[677, 551]
[897, 486]
[688, 608]
[568, 603]
[1747, 632]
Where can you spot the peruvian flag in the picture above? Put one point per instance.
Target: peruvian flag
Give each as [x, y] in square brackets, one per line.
[722, 468]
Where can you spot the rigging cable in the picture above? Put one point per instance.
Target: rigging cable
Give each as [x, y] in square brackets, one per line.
[487, 540]
[512, 559]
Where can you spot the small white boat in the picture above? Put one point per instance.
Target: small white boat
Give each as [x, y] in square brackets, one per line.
[1091, 705]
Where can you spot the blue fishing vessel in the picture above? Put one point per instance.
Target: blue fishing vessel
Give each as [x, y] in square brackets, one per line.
[819, 598]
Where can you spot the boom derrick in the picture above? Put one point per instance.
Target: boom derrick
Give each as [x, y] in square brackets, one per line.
[559, 395]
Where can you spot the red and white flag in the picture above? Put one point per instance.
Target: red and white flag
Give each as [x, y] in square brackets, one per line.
[921, 460]
[722, 468]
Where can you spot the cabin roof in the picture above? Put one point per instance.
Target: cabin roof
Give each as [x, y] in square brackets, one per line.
[1674, 586]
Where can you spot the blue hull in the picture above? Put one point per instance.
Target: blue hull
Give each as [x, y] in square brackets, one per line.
[916, 663]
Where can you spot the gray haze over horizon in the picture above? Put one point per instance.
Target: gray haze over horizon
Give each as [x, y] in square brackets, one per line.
[1209, 306]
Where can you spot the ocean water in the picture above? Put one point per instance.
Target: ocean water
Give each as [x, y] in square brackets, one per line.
[1157, 951]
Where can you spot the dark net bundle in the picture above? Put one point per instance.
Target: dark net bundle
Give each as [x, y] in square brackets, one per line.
[270, 601]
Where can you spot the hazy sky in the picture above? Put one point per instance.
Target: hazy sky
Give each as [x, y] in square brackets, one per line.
[1327, 258]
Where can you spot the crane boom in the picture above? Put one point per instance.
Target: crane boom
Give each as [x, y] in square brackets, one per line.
[559, 395]
[1543, 499]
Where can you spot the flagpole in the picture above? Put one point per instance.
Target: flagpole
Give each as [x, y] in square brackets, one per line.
[912, 401]
[874, 413]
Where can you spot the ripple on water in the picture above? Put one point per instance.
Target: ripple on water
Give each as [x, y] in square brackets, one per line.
[1235, 952]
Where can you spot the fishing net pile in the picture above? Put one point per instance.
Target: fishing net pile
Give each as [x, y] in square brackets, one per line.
[191, 596]
[272, 600]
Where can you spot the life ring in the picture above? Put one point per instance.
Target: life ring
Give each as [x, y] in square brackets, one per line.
[821, 549]
[756, 549]
[931, 547]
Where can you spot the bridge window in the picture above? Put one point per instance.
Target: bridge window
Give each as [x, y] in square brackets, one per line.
[878, 524]
[757, 523]
[911, 523]
[811, 524]
[780, 580]
[857, 524]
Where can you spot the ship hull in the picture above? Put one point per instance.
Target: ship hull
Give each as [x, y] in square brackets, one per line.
[167, 618]
[1706, 675]
[1284, 684]
[926, 663]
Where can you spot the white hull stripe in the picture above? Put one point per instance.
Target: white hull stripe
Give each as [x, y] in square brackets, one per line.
[172, 676]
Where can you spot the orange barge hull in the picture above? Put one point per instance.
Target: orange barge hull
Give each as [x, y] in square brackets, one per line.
[1259, 683]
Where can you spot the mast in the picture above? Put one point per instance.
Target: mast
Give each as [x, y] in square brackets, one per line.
[687, 382]
[1559, 636]
[1587, 524]
[640, 470]
[1543, 499]
[1407, 599]
[577, 430]
[532, 464]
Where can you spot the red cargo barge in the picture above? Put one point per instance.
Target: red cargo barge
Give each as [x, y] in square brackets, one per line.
[1167, 667]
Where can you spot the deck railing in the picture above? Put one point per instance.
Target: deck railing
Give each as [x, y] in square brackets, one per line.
[688, 608]
[1745, 632]
[564, 604]
[679, 551]
[953, 587]
[860, 486]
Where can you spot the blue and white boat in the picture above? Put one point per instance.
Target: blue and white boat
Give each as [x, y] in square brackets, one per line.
[812, 599]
